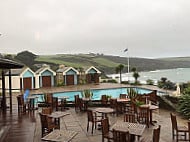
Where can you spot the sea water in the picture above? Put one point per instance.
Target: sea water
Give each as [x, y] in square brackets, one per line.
[177, 75]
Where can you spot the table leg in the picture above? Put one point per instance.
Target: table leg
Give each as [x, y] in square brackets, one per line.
[151, 121]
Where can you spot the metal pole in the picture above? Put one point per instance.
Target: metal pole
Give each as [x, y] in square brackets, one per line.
[128, 65]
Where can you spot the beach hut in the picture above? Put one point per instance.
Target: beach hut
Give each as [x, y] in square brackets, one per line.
[45, 77]
[22, 79]
[67, 75]
[92, 75]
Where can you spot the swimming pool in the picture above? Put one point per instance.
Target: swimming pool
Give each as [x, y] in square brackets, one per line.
[97, 93]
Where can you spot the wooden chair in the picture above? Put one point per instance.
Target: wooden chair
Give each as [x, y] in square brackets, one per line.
[47, 110]
[131, 107]
[114, 105]
[106, 133]
[21, 104]
[78, 103]
[143, 115]
[58, 105]
[46, 124]
[104, 100]
[119, 136]
[155, 136]
[93, 118]
[178, 131]
[129, 117]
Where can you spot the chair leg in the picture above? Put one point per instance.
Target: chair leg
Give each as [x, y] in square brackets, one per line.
[87, 126]
[92, 127]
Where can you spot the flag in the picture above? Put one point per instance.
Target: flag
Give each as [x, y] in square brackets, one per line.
[126, 50]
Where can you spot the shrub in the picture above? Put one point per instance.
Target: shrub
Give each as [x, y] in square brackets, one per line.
[149, 82]
[184, 105]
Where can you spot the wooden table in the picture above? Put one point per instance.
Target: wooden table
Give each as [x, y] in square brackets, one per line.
[104, 111]
[57, 115]
[123, 100]
[135, 129]
[60, 136]
[151, 108]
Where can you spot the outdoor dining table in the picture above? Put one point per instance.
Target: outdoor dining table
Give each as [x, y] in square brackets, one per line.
[134, 129]
[151, 108]
[60, 136]
[57, 115]
[104, 111]
[123, 100]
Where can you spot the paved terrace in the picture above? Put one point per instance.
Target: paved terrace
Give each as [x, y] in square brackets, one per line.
[26, 127]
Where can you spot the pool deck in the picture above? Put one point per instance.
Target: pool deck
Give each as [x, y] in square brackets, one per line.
[90, 86]
[26, 127]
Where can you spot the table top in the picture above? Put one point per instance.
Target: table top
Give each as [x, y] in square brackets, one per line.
[123, 100]
[60, 136]
[63, 97]
[104, 110]
[86, 99]
[133, 128]
[151, 107]
[58, 114]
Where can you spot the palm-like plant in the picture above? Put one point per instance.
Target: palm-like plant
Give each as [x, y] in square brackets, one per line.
[135, 74]
[119, 69]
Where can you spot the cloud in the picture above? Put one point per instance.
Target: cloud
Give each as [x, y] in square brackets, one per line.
[148, 28]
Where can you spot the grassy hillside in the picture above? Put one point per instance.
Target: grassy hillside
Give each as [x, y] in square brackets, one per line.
[107, 64]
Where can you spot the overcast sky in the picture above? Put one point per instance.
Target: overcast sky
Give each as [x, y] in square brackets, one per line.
[148, 28]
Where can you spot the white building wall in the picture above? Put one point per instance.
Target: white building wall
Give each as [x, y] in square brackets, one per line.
[15, 83]
[37, 82]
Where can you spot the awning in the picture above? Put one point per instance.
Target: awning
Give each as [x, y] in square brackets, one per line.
[9, 64]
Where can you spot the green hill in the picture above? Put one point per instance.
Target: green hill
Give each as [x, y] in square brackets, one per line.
[107, 63]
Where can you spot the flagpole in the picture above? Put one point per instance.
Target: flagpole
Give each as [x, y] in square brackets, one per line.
[126, 50]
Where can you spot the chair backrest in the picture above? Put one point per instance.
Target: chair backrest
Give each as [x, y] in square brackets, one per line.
[48, 98]
[55, 103]
[123, 96]
[90, 115]
[129, 117]
[20, 100]
[143, 115]
[104, 99]
[153, 96]
[174, 121]
[105, 126]
[47, 110]
[119, 136]
[43, 120]
[76, 100]
[113, 103]
[156, 134]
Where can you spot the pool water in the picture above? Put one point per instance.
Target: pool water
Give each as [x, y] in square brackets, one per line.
[97, 93]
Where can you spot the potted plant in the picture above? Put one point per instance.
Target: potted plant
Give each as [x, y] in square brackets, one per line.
[132, 93]
[87, 94]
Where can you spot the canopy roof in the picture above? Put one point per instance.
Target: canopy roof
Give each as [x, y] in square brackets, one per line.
[9, 64]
